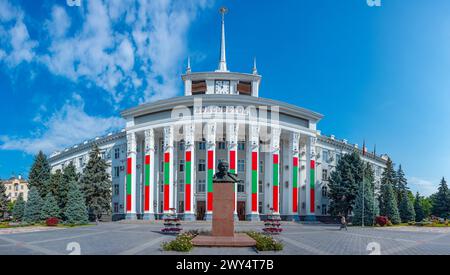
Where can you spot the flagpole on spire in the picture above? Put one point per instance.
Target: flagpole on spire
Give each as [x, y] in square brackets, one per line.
[255, 70]
[223, 57]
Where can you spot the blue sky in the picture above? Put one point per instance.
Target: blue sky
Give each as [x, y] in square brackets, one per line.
[376, 73]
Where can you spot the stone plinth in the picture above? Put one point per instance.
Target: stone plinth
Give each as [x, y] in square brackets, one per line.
[222, 234]
[223, 210]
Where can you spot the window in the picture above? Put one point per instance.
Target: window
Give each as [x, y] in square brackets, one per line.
[338, 157]
[324, 209]
[181, 207]
[16, 187]
[116, 207]
[181, 186]
[116, 189]
[21, 187]
[261, 187]
[201, 186]
[161, 166]
[241, 146]
[202, 145]
[80, 162]
[116, 153]
[181, 165]
[103, 155]
[303, 205]
[201, 165]
[260, 206]
[222, 145]
[325, 174]
[241, 165]
[325, 155]
[116, 172]
[161, 187]
[181, 146]
[241, 187]
[324, 191]
[261, 166]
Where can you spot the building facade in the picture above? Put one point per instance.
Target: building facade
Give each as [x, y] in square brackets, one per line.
[15, 187]
[165, 159]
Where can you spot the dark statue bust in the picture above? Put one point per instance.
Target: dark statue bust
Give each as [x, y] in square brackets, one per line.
[223, 175]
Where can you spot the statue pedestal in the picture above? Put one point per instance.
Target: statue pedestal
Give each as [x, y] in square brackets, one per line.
[222, 234]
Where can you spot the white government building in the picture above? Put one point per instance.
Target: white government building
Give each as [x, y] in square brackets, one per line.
[166, 157]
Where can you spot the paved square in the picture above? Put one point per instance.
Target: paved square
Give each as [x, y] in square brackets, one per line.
[144, 238]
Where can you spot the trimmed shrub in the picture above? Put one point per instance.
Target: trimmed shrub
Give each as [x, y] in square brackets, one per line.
[183, 243]
[265, 242]
[381, 220]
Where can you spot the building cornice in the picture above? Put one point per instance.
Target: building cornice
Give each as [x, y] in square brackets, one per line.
[168, 104]
[86, 145]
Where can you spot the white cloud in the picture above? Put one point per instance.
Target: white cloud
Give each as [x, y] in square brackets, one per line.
[16, 44]
[69, 125]
[423, 186]
[124, 46]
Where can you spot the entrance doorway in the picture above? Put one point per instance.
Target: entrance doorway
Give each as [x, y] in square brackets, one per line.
[241, 210]
[201, 207]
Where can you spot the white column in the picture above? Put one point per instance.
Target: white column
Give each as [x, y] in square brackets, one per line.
[130, 194]
[168, 170]
[275, 171]
[211, 167]
[294, 175]
[189, 178]
[253, 174]
[311, 178]
[232, 136]
[149, 175]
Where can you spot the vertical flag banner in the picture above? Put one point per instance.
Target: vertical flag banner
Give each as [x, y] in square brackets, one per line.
[129, 172]
[147, 183]
[276, 182]
[254, 181]
[295, 185]
[188, 180]
[312, 186]
[166, 181]
[210, 179]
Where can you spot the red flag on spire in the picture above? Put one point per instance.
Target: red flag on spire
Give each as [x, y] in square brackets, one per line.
[364, 147]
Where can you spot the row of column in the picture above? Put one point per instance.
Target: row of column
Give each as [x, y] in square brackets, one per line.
[252, 173]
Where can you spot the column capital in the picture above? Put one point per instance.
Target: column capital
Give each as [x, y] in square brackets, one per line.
[295, 142]
[211, 133]
[189, 138]
[168, 137]
[275, 139]
[131, 143]
[149, 140]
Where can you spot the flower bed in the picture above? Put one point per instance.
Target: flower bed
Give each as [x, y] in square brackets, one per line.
[52, 222]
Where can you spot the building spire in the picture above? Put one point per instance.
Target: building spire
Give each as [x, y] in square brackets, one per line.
[223, 57]
[188, 68]
[255, 70]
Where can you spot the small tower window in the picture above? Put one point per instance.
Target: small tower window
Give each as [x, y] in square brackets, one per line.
[244, 88]
[198, 87]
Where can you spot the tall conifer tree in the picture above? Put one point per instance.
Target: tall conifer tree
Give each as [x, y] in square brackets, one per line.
[40, 173]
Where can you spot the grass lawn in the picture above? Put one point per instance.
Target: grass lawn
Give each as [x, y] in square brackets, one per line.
[4, 225]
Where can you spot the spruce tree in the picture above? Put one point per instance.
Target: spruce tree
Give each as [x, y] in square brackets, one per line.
[54, 183]
[418, 209]
[401, 184]
[96, 184]
[344, 184]
[441, 201]
[40, 173]
[32, 213]
[19, 208]
[406, 209]
[368, 211]
[75, 211]
[50, 207]
[3, 200]
[388, 198]
[427, 206]
[69, 175]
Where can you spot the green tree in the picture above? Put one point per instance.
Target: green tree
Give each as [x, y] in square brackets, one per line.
[32, 213]
[401, 185]
[427, 206]
[96, 184]
[55, 181]
[69, 175]
[75, 212]
[369, 206]
[388, 199]
[3, 200]
[441, 201]
[344, 184]
[50, 207]
[40, 173]
[406, 209]
[418, 208]
[19, 208]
